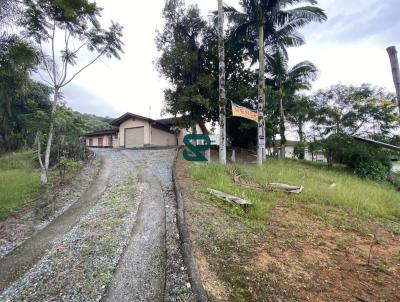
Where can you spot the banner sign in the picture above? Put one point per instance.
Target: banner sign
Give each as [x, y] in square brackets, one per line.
[244, 112]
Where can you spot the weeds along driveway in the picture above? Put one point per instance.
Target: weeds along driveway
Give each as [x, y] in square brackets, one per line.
[128, 227]
[24, 256]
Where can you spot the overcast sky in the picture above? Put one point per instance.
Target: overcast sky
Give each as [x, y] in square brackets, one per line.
[349, 48]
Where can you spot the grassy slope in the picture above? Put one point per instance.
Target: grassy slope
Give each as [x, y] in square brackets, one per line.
[335, 187]
[19, 183]
[294, 247]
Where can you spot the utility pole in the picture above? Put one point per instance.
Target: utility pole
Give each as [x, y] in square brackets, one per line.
[222, 95]
[394, 62]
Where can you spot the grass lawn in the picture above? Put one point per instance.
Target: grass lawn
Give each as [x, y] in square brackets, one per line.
[19, 182]
[333, 187]
[339, 240]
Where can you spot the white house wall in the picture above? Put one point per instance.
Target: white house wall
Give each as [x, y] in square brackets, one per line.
[134, 124]
[162, 138]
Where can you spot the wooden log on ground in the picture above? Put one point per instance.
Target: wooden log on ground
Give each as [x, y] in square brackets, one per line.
[285, 188]
[245, 204]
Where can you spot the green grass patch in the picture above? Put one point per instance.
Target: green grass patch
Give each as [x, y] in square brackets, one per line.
[19, 182]
[336, 187]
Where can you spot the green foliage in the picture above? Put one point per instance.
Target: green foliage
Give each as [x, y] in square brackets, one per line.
[31, 113]
[363, 198]
[189, 61]
[65, 165]
[281, 22]
[17, 59]
[355, 110]
[373, 169]
[300, 150]
[19, 183]
[365, 161]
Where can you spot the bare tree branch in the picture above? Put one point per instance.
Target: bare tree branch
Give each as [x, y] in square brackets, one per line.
[53, 54]
[83, 68]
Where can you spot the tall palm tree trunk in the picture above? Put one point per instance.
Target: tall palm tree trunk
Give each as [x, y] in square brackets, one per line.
[395, 71]
[282, 129]
[222, 95]
[261, 94]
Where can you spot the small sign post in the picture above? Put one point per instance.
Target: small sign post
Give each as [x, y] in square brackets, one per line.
[261, 141]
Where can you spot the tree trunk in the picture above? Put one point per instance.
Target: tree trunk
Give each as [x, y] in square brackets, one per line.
[395, 71]
[261, 94]
[301, 133]
[233, 157]
[45, 170]
[282, 129]
[222, 96]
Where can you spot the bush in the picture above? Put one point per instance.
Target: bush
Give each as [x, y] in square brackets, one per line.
[299, 150]
[67, 165]
[372, 170]
[366, 161]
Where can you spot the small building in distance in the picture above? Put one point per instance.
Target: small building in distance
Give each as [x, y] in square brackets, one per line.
[134, 131]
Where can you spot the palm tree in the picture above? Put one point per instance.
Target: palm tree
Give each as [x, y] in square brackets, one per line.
[288, 81]
[222, 95]
[265, 25]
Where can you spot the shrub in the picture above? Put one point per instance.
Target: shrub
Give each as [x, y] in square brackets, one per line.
[372, 170]
[366, 161]
[66, 165]
[299, 150]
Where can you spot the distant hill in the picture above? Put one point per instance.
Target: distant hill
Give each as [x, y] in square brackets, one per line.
[94, 122]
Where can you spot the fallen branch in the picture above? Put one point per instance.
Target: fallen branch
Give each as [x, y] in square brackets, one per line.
[245, 204]
[285, 188]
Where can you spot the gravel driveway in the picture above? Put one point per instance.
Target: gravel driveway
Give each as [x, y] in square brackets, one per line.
[124, 248]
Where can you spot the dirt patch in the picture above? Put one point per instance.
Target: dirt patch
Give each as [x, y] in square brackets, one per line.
[326, 264]
[215, 287]
[301, 253]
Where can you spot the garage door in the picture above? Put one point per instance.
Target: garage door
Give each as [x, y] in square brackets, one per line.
[134, 137]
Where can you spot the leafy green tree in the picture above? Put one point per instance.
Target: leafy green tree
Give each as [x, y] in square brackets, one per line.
[267, 25]
[189, 61]
[46, 21]
[17, 59]
[366, 161]
[351, 110]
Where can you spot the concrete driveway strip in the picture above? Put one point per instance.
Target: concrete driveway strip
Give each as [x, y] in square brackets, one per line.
[16, 263]
[141, 272]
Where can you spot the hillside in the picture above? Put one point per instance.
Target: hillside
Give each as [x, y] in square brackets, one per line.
[336, 241]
